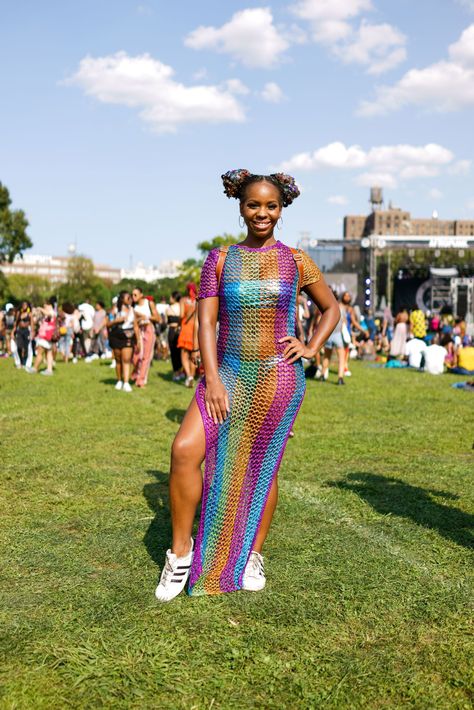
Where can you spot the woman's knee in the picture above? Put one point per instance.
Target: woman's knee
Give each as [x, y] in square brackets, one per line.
[182, 450]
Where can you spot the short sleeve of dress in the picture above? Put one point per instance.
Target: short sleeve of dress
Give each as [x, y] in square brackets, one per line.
[208, 286]
[311, 273]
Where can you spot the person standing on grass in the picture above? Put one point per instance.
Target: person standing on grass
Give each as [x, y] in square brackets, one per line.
[173, 318]
[335, 342]
[349, 324]
[188, 313]
[98, 338]
[146, 316]
[241, 416]
[67, 337]
[124, 335]
[44, 340]
[22, 332]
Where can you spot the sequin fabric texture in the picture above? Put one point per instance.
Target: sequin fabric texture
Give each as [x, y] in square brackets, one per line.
[257, 306]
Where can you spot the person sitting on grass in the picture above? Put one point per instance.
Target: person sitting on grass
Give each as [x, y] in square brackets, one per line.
[464, 359]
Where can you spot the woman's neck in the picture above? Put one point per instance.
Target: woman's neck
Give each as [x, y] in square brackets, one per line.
[252, 241]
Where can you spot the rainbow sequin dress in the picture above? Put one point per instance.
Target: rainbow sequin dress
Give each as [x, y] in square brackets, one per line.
[257, 306]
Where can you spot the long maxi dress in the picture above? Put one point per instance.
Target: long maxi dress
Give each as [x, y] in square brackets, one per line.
[257, 306]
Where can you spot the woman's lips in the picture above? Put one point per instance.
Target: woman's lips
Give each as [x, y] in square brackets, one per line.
[262, 225]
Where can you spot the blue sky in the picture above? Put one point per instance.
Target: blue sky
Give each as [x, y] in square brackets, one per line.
[118, 117]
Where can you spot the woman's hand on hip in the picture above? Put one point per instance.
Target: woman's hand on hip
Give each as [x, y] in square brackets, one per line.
[295, 349]
[217, 401]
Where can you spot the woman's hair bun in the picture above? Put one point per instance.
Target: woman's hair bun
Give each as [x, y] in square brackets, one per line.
[235, 181]
[288, 187]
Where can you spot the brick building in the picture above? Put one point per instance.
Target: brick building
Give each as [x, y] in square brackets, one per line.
[395, 221]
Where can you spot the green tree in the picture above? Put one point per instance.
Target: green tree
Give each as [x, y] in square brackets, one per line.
[221, 240]
[35, 289]
[13, 224]
[82, 283]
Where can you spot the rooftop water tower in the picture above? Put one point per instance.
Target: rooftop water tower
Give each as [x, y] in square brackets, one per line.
[376, 198]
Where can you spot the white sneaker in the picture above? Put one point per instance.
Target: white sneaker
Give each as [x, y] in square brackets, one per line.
[325, 375]
[74, 360]
[254, 574]
[189, 382]
[126, 387]
[174, 575]
[347, 373]
[119, 385]
[112, 365]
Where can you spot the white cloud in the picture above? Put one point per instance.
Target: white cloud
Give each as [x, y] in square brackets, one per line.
[337, 200]
[249, 37]
[470, 204]
[329, 18]
[236, 86]
[148, 84]
[378, 47]
[272, 93]
[460, 167]
[435, 194]
[447, 85]
[383, 165]
[378, 179]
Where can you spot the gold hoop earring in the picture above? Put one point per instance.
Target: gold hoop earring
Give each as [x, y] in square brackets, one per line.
[280, 222]
[241, 222]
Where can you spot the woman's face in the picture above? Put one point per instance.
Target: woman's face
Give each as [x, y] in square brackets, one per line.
[127, 299]
[261, 209]
[346, 299]
[137, 295]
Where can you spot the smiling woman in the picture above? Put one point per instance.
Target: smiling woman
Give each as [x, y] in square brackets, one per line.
[244, 408]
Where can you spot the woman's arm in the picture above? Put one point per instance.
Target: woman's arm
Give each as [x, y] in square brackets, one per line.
[155, 316]
[323, 297]
[355, 323]
[216, 396]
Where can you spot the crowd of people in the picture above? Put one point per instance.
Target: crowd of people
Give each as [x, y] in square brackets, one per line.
[132, 332]
[135, 330]
[412, 338]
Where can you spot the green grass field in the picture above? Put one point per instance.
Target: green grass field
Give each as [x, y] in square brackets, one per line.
[369, 562]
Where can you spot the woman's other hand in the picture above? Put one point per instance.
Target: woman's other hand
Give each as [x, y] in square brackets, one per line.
[295, 349]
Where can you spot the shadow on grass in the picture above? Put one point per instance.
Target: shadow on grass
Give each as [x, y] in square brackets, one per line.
[175, 415]
[109, 381]
[167, 376]
[396, 497]
[158, 536]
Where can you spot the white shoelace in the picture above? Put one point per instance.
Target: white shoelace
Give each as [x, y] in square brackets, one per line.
[256, 563]
[168, 570]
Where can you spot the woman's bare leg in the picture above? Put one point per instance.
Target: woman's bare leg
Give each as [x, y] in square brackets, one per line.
[38, 358]
[267, 516]
[49, 360]
[118, 363]
[127, 354]
[341, 359]
[187, 454]
[326, 359]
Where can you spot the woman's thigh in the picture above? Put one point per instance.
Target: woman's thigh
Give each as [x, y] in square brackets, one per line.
[127, 354]
[190, 441]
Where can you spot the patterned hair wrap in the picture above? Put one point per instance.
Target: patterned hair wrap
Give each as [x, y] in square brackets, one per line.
[235, 182]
